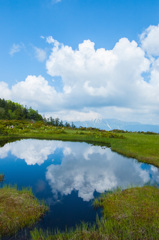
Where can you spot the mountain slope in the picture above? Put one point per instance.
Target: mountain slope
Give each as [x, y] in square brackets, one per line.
[110, 124]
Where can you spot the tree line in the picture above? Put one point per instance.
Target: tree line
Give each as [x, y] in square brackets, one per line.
[14, 111]
[58, 122]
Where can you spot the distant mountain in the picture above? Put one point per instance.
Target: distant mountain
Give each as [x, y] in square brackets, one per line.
[110, 124]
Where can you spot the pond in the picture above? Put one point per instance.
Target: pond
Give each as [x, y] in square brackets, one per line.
[67, 175]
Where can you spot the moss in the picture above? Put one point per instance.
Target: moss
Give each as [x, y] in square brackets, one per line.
[18, 209]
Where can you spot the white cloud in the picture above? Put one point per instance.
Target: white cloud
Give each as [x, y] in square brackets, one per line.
[73, 115]
[55, 1]
[4, 91]
[100, 76]
[97, 81]
[150, 40]
[35, 92]
[16, 48]
[40, 54]
[51, 40]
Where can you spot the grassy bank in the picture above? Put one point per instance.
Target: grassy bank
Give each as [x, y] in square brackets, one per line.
[142, 146]
[129, 214]
[132, 213]
[18, 209]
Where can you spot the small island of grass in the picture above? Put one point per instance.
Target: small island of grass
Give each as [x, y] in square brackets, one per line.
[18, 209]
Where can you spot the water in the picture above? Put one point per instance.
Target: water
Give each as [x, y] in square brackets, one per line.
[67, 175]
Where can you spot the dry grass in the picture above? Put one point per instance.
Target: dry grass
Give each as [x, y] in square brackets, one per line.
[1, 177]
[18, 209]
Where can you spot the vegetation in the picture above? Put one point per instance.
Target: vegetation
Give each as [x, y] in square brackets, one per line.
[14, 111]
[11, 110]
[142, 146]
[1, 177]
[128, 214]
[132, 213]
[82, 232]
[18, 209]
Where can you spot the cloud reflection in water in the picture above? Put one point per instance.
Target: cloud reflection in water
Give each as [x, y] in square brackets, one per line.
[91, 168]
[84, 168]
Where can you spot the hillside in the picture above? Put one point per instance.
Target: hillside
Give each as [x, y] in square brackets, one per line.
[10, 110]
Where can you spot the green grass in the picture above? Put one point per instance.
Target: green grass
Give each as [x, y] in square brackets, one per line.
[132, 213]
[142, 146]
[128, 214]
[18, 209]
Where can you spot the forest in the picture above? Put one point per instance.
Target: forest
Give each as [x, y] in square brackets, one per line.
[10, 110]
[14, 111]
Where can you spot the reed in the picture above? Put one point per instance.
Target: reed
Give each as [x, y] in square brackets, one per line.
[1, 177]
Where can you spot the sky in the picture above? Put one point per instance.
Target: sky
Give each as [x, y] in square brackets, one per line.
[82, 59]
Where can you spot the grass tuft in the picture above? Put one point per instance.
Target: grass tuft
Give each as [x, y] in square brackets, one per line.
[18, 209]
[1, 177]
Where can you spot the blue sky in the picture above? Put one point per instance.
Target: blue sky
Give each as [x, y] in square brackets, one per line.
[112, 74]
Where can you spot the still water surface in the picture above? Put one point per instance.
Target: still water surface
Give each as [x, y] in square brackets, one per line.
[67, 175]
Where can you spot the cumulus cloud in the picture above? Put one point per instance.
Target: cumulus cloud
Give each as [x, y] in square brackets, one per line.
[101, 77]
[35, 92]
[16, 48]
[51, 40]
[5, 91]
[150, 40]
[90, 168]
[40, 54]
[97, 80]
